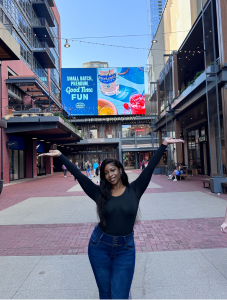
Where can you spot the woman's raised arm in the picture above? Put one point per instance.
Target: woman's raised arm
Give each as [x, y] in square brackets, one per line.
[141, 183]
[224, 225]
[90, 188]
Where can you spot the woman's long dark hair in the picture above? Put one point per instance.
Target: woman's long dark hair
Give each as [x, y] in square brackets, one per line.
[106, 187]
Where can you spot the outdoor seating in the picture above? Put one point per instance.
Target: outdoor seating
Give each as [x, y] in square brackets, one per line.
[184, 175]
[224, 185]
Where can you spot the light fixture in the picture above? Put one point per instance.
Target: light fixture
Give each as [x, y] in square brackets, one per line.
[154, 41]
[67, 45]
[34, 138]
[48, 142]
[41, 140]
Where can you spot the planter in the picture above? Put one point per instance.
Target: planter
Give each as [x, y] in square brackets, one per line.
[1, 186]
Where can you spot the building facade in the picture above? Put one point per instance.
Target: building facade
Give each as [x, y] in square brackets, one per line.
[190, 90]
[95, 64]
[129, 139]
[30, 89]
[155, 9]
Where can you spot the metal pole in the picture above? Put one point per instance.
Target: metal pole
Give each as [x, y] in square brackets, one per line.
[1, 118]
[216, 84]
[208, 116]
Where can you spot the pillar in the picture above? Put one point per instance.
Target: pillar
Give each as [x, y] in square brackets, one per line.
[30, 158]
[49, 160]
[158, 98]
[120, 151]
[178, 145]
[175, 76]
[160, 137]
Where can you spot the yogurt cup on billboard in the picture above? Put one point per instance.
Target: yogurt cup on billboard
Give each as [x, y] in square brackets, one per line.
[137, 104]
[108, 80]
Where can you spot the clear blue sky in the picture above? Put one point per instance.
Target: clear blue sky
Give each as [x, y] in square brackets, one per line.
[91, 18]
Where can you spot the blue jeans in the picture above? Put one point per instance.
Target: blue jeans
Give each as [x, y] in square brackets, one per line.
[112, 260]
[88, 173]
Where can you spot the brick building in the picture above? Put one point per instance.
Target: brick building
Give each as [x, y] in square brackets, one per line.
[31, 88]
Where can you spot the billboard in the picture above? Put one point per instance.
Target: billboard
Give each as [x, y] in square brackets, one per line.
[109, 91]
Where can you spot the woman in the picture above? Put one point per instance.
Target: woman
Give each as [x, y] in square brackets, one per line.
[224, 225]
[111, 247]
[178, 171]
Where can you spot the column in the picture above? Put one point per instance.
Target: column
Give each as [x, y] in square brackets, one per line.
[158, 98]
[30, 158]
[160, 137]
[136, 157]
[120, 150]
[178, 145]
[49, 160]
[175, 76]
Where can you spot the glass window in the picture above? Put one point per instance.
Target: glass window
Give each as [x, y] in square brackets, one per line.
[143, 130]
[15, 164]
[93, 133]
[128, 131]
[21, 160]
[129, 160]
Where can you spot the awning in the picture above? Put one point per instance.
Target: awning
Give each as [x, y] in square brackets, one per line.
[9, 48]
[3, 124]
[52, 129]
[33, 87]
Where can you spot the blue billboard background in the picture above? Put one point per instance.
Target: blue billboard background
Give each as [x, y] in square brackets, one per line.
[79, 91]
[110, 91]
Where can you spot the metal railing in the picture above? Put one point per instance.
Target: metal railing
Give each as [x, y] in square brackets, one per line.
[43, 22]
[48, 7]
[37, 46]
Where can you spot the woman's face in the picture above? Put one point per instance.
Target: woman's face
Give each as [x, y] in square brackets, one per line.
[112, 174]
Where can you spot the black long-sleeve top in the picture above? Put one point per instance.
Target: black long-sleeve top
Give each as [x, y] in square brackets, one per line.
[121, 211]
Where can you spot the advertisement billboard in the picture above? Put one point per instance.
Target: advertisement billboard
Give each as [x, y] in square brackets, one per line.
[109, 91]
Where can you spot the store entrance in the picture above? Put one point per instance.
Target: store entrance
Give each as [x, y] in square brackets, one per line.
[204, 158]
[144, 156]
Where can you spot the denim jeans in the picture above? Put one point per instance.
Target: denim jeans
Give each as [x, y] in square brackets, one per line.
[112, 260]
[88, 173]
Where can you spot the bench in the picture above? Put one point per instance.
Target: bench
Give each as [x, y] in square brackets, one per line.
[206, 181]
[224, 185]
[179, 177]
[184, 175]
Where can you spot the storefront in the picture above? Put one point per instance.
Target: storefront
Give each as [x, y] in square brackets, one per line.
[16, 147]
[41, 160]
[198, 151]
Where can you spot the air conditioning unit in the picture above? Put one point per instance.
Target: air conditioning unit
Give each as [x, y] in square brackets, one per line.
[35, 110]
[109, 136]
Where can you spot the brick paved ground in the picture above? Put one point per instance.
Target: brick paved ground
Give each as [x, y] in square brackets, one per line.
[164, 235]
[71, 239]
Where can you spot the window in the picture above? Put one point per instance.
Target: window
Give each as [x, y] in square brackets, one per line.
[93, 133]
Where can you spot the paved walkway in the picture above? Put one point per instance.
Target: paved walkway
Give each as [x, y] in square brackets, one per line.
[45, 226]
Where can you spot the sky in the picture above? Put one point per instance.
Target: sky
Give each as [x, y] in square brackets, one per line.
[98, 18]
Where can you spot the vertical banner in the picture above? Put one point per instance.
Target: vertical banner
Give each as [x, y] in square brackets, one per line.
[79, 91]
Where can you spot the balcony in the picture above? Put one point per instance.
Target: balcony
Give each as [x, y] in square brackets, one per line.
[42, 31]
[43, 10]
[44, 56]
[51, 3]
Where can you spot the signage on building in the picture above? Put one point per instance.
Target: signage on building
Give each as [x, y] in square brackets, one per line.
[109, 91]
[116, 119]
[203, 138]
[96, 140]
[39, 147]
[12, 144]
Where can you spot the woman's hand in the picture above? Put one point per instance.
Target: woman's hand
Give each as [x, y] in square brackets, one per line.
[224, 227]
[168, 141]
[52, 153]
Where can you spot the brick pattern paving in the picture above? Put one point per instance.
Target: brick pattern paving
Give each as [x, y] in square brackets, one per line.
[72, 239]
[14, 194]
